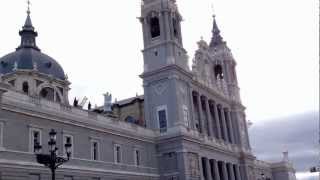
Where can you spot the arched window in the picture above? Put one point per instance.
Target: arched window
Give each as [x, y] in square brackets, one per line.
[47, 93]
[218, 72]
[154, 27]
[25, 87]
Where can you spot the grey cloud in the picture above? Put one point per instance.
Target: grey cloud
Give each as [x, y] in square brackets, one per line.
[298, 134]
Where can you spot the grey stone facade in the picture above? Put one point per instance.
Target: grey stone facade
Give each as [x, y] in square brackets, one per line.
[194, 125]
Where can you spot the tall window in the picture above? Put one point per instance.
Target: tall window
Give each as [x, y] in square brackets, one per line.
[137, 157]
[154, 27]
[66, 140]
[186, 115]
[95, 150]
[35, 137]
[25, 87]
[175, 27]
[117, 153]
[162, 118]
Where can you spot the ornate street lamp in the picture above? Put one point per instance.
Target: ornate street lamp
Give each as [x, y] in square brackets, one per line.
[52, 160]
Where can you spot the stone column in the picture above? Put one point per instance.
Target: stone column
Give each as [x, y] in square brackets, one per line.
[231, 171]
[202, 129]
[231, 130]
[216, 116]
[224, 171]
[210, 128]
[216, 170]
[237, 173]
[201, 168]
[224, 125]
[208, 175]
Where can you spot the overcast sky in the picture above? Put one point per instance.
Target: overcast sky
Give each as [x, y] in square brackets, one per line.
[98, 43]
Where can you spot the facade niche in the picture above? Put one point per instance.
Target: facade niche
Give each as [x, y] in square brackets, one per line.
[154, 26]
[218, 72]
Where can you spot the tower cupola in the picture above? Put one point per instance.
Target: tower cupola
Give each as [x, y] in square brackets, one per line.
[28, 34]
[32, 72]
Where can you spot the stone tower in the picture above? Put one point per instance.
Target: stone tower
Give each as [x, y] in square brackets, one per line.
[165, 66]
[162, 35]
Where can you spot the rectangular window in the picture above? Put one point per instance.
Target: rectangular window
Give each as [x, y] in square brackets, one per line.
[35, 137]
[95, 150]
[117, 153]
[68, 139]
[186, 116]
[162, 118]
[137, 157]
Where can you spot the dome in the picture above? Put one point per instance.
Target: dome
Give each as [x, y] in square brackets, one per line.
[29, 59]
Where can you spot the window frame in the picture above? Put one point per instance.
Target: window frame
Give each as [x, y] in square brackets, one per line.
[186, 115]
[116, 160]
[31, 138]
[64, 140]
[137, 159]
[92, 150]
[162, 108]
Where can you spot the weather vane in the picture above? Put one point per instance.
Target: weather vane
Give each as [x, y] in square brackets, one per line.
[28, 2]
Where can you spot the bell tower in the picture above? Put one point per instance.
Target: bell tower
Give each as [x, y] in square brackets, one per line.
[161, 24]
[166, 70]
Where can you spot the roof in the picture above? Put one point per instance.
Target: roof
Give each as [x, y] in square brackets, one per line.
[29, 57]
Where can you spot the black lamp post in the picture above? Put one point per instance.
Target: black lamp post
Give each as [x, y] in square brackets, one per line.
[52, 160]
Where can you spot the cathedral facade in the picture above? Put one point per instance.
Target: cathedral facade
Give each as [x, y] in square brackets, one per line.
[190, 123]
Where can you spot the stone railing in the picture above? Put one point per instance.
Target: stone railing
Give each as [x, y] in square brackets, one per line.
[262, 164]
[60, 111]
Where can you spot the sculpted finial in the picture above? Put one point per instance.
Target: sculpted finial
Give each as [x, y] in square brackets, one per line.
[29, 3]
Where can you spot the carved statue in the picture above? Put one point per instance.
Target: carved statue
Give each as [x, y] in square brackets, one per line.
[107, 102]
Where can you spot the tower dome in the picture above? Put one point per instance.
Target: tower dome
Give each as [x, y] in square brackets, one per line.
[29, 57]
[32, 72]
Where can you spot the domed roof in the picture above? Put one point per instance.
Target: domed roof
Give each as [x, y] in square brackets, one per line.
[29, 57]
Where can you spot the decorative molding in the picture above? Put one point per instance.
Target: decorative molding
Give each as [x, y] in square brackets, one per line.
[160, 88]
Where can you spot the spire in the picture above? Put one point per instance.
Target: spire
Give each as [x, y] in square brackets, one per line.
[216, 37]
[28, 34]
